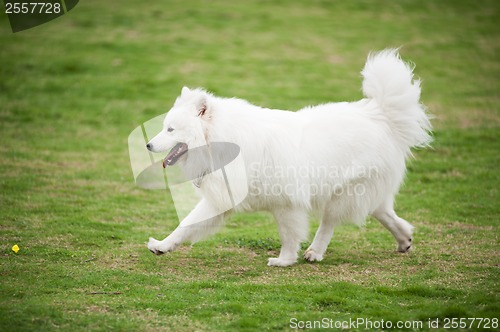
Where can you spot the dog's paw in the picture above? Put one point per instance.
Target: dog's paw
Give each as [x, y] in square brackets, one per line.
[281, 262]
[154, 246]
[405, 246]
[159, 247]
[312, 256]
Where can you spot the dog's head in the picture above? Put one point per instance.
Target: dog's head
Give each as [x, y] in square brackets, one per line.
[184, 127]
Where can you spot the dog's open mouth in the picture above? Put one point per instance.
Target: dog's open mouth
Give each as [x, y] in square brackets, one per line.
[177, 151]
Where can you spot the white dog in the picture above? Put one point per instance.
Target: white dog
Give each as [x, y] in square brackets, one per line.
[344, 161]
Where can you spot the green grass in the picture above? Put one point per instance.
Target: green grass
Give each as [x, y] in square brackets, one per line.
[73, 89]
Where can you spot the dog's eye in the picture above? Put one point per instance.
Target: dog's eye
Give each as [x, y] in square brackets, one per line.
[170, 129]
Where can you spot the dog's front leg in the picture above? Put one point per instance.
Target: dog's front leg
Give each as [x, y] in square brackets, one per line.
[203, 220]
[293, 229]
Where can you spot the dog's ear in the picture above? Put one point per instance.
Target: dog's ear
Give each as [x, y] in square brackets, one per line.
[185, 90]
[202, 109]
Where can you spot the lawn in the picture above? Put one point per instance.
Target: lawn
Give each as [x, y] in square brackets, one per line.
[73, 89]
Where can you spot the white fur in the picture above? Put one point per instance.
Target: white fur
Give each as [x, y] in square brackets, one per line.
[362, 144]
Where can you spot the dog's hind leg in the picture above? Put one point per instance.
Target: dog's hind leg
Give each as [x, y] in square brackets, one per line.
[400, 228]
[193, 228]
[322, 238]
[293, 229]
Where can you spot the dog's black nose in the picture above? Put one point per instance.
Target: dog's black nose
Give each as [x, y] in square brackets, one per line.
[149, 146]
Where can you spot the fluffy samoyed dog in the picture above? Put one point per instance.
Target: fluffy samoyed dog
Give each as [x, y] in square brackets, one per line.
[342, 161]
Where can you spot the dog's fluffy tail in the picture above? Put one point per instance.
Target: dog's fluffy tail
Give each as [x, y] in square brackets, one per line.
[389, 81]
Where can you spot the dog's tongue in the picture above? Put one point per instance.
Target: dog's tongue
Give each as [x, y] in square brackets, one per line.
[177, 151]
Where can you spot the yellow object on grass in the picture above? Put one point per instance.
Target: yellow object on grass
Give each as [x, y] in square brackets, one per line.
[15, 248]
